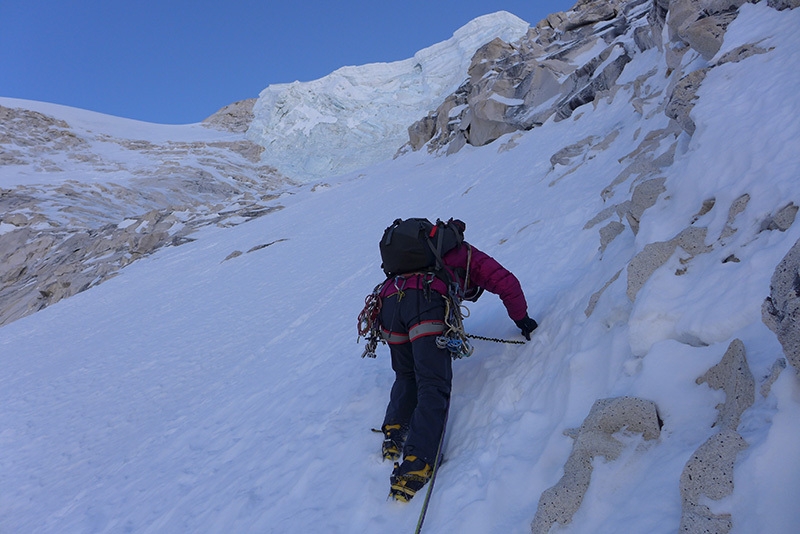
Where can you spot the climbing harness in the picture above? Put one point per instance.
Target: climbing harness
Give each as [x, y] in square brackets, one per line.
[454, 338]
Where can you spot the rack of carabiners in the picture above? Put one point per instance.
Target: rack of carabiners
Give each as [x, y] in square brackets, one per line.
[368, 322]
[454, 338]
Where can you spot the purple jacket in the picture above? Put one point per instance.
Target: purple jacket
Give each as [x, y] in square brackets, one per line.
[484, 271]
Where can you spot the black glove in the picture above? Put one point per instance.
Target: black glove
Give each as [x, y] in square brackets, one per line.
[527, 325]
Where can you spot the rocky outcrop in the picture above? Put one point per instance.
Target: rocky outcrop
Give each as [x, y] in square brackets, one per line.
[781, 310]
[701, 24]
[643, 265]
[682, 100]
[517, 86]
[234, 117]
[707, 475]
[27, 134]
[60, 236]
[780, 5]
[575, 58]
[731, 375]
[709, 472]
[41, 266]
[692, 240]
[594, 438]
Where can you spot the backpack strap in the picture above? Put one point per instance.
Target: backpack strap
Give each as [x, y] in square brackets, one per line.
[437, 232]
[390, 231]
[437, 249]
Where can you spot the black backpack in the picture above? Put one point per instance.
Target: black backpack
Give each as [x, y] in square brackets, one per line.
[417, 245]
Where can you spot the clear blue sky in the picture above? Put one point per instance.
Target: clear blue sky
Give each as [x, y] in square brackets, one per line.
[178, 61]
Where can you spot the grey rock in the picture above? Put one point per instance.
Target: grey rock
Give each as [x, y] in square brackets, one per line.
[620, 210]
[706, 207]
[593, 439]
[737, 207]
[782, 220]
[709, 472]
[518, 86]
[71, 236]
[587, 84]
[566, 155]
[683, 99]
[644, 196]
[781, 310]
[597, 294]
[732, 375]
[644, 39]
[485, 122]
[643, 160]
[234, 117]
[609, 232]
[234, 254]
[741, 53]
[38, 134]
[775, 371]
[654, 255]
[706, 34]
[421, 132]
[645, 263]
[780, 5]
[586, 12]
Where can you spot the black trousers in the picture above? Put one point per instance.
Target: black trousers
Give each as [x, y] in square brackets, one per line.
[420, 395]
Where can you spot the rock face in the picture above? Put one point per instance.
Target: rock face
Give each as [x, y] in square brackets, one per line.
[594, 438]
[234, 117]
[780, 5]
[519, 85]
[781, 310]
[60, 236]
[575, 58]
[709, 473]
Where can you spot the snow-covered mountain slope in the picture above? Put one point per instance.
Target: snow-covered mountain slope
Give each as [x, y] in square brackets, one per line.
[217, 387]
[84, 194]
[357, 116]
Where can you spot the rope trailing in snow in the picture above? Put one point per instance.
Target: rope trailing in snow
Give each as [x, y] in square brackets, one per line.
[497, 340]
[433, 474]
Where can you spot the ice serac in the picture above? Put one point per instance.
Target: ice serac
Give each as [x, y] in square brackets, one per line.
[356, 116]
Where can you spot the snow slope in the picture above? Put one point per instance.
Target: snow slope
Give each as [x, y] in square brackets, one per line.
[199, 392]
[83, 194]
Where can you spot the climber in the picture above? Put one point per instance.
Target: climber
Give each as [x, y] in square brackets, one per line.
[413, 317]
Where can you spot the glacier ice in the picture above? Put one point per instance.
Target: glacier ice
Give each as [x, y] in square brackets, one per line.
[359, 115]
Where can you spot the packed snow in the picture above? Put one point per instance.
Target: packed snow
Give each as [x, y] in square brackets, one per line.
[202, 391]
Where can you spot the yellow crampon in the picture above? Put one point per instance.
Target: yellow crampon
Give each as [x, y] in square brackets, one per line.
[406, 485]
[393, 441]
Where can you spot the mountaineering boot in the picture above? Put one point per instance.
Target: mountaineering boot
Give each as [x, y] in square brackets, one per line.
[394, 437]
[409, 477]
